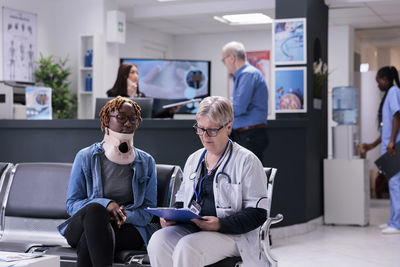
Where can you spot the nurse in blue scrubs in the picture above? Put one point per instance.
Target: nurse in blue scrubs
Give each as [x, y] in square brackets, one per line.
[389, 120]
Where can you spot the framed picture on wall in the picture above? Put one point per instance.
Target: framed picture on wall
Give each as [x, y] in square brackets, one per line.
[19, 45]
[289, 41]
[290, 90]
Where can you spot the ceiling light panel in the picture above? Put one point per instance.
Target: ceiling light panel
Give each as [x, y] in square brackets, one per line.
[244, 19]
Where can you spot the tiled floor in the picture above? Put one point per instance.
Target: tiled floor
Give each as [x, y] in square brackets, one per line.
[343, 246]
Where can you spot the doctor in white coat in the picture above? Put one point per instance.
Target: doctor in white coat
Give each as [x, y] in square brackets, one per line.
[225, 184]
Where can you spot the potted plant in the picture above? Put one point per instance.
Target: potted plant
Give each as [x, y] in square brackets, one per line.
[53, 72]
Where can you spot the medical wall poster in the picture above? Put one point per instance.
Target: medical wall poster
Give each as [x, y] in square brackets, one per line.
[289, 41]
[262, 61]
[19, 45]
[38, 103]
[290, 90]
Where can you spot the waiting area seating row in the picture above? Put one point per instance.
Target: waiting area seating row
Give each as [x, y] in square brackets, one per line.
[32, 197]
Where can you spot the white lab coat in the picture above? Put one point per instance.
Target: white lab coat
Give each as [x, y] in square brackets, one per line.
[248, 185]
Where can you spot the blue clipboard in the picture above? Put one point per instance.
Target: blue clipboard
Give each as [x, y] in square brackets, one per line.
[173, 214]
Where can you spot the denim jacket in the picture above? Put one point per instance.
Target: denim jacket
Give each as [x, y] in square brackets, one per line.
[85, 186]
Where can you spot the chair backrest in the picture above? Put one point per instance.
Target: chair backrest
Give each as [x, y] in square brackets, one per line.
[34, 203]
[168, 181]
[38, 190]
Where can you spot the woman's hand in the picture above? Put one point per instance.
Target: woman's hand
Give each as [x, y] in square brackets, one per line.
[164, 223]
[390, 149]
[175, 109]
[363, 148]
[210, 224]
[117, 213]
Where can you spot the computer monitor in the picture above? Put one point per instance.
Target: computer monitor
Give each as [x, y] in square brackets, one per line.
[145, 104]
[169, 81]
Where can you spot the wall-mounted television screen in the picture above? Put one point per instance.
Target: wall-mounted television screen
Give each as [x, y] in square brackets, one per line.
[169, 81]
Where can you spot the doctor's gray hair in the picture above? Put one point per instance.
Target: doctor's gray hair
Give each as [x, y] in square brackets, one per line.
[235, 48]
[216, 108]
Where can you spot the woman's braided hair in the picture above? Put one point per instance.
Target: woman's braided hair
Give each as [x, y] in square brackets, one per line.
[114, 105]
[392, 76]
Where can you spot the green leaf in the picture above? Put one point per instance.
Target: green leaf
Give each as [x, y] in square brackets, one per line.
[53, 72]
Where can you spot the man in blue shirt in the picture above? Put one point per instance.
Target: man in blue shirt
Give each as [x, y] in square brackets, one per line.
[250, 100]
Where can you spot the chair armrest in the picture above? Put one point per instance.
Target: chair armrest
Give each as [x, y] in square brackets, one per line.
[265, 246]
[278, 218]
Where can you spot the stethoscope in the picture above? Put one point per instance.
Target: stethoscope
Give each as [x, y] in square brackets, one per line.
[218, 175]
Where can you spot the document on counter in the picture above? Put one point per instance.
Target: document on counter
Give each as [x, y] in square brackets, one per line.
[173, 214]
[182, 103]
[13, 256]
[389, 165]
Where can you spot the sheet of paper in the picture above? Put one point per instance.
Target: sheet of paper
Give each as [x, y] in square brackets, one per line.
[12, 256]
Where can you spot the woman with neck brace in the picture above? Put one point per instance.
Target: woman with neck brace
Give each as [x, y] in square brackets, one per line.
[111, 183]
[127, 85]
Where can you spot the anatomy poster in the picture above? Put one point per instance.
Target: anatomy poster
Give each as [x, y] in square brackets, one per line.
[289, 41]
[19, 45]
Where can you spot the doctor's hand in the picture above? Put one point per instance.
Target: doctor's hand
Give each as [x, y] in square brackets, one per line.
[164, 223]
[210, 224]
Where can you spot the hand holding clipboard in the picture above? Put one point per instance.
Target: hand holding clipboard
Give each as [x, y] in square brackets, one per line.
[389, 163]
[172, 214]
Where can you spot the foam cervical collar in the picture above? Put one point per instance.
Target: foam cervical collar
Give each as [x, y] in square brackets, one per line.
[118, 147]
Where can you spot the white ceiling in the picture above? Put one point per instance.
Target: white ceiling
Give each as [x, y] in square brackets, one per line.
[196, 16]
[192, 16]
[376, 21]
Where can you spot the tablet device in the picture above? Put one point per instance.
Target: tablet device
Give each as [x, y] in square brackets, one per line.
[181, 103]
[173, 214]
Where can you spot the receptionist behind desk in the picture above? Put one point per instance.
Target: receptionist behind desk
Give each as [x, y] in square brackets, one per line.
[127, 85]
[226, 184]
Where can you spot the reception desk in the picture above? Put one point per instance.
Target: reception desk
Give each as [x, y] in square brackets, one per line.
[298, 190]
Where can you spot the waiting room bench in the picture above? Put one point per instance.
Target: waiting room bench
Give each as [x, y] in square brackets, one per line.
[32, 197]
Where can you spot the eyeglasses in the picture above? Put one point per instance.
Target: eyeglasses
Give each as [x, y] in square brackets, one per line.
[210, 131]
[223, 59]
[121, 118]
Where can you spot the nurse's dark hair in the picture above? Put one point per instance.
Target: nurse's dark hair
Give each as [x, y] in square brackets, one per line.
[392, 75]
[114, 105]
[217, 108]
[120, 87]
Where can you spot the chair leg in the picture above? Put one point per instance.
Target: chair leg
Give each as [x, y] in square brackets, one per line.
[265, 241]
